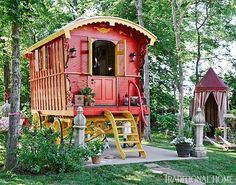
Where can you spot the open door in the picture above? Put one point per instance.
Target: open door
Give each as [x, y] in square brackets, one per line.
[211, 114]
[102, 70]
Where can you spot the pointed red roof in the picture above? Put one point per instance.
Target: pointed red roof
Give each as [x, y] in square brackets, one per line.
[211, 82]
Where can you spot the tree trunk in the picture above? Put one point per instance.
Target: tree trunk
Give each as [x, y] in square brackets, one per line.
[6, 77]
[147, 130]
[14, 117]
[177, 25]
[198, 27]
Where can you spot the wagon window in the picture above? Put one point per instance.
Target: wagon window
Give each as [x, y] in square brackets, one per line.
[103, 58]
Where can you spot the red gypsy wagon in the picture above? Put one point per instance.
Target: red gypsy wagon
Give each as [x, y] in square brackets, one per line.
[94, 63]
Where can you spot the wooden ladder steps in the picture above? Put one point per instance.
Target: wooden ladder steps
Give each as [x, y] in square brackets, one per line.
[125, 127]
[122, 119]
[128, 142]
[118, 116]
[132, 134]
[133, 150]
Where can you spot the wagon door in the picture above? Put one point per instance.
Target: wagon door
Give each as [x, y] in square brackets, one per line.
[102, 70]
[104, 88]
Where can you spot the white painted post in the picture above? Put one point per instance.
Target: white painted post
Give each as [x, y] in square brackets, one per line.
[79, 126]
[199, 120]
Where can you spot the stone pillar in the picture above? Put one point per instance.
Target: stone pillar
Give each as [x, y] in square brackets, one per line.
[199, 120]
[79, 127]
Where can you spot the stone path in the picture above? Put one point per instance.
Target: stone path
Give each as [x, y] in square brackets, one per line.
[173, 175]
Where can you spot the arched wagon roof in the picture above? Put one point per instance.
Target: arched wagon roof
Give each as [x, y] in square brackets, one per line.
[211, 82]
[100, 19]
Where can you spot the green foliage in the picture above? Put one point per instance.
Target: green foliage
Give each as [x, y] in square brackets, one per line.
[231, 82]
[38, 153]
[1, 91]
[87, 91]
[188, 128]
[218, 132]
[95, 147]
[25, 110]
[167, 123]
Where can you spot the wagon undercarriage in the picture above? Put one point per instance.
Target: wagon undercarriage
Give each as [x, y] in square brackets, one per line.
[122, 125]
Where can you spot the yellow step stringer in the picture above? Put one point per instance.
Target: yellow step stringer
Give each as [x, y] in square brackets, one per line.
[126, 115]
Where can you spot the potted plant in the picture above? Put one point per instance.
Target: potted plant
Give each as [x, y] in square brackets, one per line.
[95, 149]
[218, 133]
[88, 96]
[183, 145]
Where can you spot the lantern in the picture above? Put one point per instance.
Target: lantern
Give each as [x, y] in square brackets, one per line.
[133, 57]
[72, 52]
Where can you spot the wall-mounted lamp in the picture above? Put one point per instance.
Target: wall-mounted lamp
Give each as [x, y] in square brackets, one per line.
[72, 52]
[132, 56]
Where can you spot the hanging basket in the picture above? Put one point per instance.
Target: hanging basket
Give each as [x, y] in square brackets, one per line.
[183, 149]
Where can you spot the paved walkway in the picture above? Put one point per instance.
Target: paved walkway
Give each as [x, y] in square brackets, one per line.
[111, 156]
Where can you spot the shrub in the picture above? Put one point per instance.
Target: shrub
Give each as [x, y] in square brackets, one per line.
[167, 122]
[95, 148]
[38, 153]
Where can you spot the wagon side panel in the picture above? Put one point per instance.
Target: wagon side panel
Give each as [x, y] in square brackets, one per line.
[47, 78]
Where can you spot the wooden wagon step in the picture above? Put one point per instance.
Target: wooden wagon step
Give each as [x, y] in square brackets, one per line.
[125, 126]
[131, 134]
[115, 116]
[128, 142]
[133, 150]
[122, 119]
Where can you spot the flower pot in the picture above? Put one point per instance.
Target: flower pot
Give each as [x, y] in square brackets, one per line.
[217, 138]
[183, 150]
[96, 159]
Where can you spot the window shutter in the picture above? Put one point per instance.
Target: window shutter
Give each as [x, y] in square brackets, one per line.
[120, 58]
[90, 48]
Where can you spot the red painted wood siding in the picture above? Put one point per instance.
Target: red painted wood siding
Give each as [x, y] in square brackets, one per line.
[48, 90]
[104, 88]
[79, 65]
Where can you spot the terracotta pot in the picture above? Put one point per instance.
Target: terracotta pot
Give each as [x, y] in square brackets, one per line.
[96, 159]
[217, 138]
[183, 150]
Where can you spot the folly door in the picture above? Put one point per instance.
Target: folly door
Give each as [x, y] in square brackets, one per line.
[105, 89]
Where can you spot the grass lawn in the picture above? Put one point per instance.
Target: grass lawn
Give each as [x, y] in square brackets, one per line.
[220, 163]
[122, 174]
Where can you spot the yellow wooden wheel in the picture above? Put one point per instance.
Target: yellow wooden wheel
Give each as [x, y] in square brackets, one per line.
[36, 120]
[57, 126]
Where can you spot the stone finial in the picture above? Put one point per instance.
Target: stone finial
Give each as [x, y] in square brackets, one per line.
[80, 118]
[80, 110]
[199, 118]
[79, 127]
